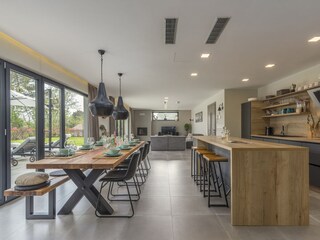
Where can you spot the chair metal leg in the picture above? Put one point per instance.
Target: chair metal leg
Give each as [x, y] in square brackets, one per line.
[114, 216]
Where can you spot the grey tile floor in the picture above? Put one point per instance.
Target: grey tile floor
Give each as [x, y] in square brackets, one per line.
[171, 207]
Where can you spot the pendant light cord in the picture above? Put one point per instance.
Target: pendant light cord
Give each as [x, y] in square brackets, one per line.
[101, 68]
[120, 85]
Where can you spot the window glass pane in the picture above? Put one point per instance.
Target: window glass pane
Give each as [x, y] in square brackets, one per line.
[23, 122]
[165, 116]
[52, 112]
[75, 117]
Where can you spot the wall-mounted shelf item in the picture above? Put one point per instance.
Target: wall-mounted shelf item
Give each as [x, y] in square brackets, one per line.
[279, 105]
[285, 115]
[289, 94]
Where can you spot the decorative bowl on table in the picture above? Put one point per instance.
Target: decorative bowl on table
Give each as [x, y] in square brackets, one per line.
[86, 147]
[99, 143]
[113, 152]
[64, 152]
[125, 147]
[132, 143]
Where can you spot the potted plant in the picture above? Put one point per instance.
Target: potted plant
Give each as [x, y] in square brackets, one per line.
[188, 127]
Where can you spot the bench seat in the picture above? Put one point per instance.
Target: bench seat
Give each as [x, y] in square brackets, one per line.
[29, 194]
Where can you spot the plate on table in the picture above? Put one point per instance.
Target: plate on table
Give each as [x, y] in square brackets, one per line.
[125, 148]
[85, 148]
[113, 155]
[64, 154]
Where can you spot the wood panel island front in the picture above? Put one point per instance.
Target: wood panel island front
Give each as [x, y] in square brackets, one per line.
[269, 182]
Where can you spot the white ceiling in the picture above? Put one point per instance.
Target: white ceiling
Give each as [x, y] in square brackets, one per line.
[132, 31]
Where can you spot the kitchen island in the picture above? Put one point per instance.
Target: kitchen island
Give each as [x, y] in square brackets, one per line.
[269, 181]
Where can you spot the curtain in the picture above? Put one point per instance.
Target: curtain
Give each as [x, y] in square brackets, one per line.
[93, 122]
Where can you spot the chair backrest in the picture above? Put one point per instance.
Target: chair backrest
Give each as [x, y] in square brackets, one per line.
[133, 165]
[141, 150]
[145, 150]
[148, 148]
[26, 146]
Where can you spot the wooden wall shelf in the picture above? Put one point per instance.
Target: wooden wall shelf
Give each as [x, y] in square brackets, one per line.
[278, 105]
[290, 94]
[285, 115]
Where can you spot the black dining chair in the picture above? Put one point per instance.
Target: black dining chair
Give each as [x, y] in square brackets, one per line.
[120, 175]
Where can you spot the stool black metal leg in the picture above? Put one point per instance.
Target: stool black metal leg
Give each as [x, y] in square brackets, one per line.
[223, 185]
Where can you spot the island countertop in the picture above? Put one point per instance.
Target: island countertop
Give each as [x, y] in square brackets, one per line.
[290, 138]
[269, 182]
[242, 143]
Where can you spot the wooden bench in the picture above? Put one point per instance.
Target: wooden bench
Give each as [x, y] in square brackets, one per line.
[51, 189]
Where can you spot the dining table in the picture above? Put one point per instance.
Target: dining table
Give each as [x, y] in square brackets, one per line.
[84, 169]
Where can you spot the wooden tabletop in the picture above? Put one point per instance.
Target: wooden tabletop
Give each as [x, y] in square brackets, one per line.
[242, 143]
[90, 160]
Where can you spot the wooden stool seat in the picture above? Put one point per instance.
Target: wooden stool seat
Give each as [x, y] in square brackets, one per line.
[195, 148]
[203, 151]
[214, 157]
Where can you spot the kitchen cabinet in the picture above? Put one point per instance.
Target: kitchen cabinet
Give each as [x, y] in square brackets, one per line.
[251, 120]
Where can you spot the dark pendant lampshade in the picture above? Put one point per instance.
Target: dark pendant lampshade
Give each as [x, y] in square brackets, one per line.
[120, 112]
[101, 105]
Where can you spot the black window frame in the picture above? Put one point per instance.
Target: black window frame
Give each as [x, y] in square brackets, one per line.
[177, 112]
[5, 136]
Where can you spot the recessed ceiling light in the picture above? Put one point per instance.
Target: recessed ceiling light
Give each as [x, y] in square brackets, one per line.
[245, 80]
[314, 39]
[205, 55]
[194, 74]
[269, 65]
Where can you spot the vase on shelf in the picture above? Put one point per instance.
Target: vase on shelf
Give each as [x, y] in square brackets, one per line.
[311, 133]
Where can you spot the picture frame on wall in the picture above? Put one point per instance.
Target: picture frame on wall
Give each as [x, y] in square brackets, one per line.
[198, 117]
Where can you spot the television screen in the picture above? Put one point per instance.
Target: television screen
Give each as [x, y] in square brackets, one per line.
[168, 130]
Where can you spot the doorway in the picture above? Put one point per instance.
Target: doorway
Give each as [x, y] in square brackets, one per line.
[212, 119]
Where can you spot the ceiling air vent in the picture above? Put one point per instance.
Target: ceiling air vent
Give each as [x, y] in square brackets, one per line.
[171, 29]
[217, 30]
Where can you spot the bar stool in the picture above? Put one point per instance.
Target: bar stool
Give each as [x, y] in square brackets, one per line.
[201, 177]
[211, 160]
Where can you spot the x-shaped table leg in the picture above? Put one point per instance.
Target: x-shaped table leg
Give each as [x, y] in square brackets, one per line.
[85, 188]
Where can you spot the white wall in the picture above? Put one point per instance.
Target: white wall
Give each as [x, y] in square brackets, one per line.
[301, 78]
[202, 127]
[21, 55]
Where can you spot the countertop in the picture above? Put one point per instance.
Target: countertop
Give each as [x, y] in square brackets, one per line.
[242, 143]
[288, 138]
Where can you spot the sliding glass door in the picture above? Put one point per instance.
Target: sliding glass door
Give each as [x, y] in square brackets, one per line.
[22, 111]
[52, 117]
[3, 166]
[37, 116]
[75, 124]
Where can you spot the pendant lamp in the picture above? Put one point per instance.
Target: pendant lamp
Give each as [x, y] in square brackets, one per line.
[101, 105]
[120, 112]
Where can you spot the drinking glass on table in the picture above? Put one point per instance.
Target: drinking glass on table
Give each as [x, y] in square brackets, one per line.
[90, 141]
[70, 145]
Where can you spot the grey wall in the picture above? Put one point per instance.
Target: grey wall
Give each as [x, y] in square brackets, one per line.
[184, 117]
[142, 118]
[233, 100]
